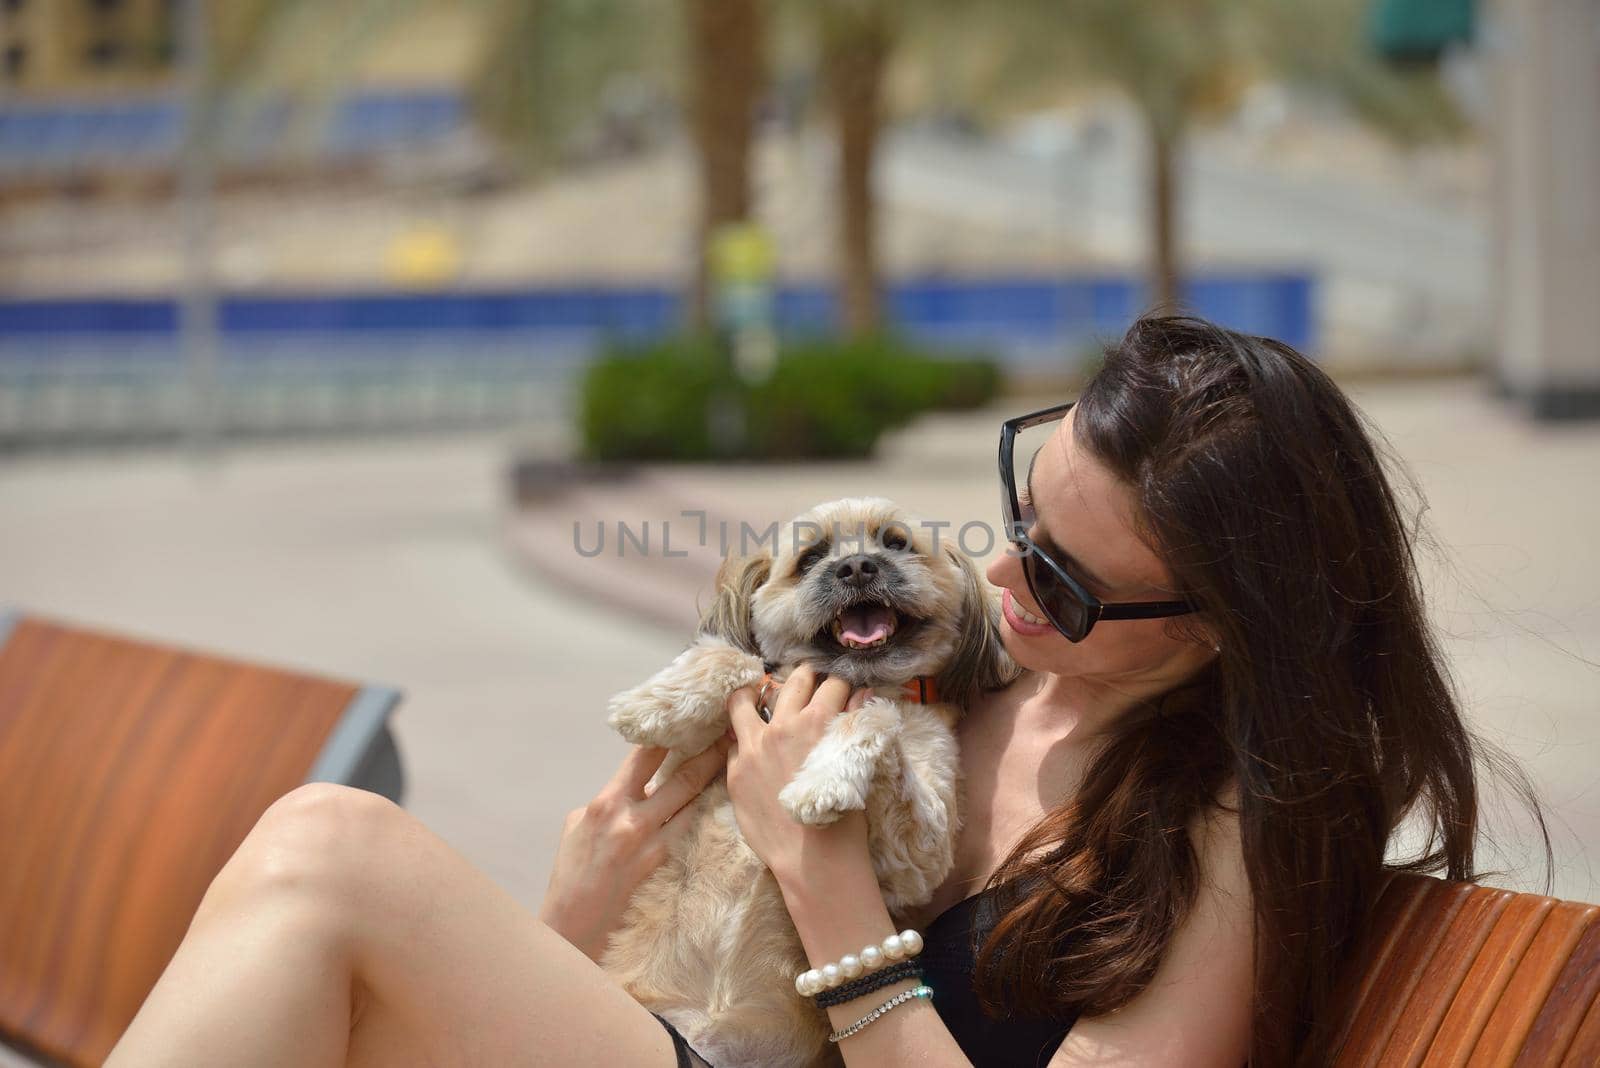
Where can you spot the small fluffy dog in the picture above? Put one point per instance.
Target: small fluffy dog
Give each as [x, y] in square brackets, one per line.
[855, 590]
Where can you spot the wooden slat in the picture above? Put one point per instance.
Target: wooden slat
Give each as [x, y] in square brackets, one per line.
[1575, 993]
[1398, 900]
[1530, 984]
[1488, 977]
[1414, 946]
[1442, 977]
[128, 775]
[1585, 1049]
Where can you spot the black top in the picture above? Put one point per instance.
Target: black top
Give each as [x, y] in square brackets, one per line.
[949, 953]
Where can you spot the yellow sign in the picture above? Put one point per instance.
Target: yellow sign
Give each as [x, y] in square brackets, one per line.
[425, 256]
[741, 253]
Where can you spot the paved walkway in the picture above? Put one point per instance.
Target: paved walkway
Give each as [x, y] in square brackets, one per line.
[401, 562]
[379, 562]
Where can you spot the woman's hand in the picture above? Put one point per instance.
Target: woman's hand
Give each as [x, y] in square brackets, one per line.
[609, 845]
[764, 760]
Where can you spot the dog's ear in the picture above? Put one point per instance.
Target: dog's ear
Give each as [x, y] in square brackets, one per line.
[728, 617]
[980, 661]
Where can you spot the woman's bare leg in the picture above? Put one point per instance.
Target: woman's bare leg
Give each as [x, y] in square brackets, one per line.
[343, 931]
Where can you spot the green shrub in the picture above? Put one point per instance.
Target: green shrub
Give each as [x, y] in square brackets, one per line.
[971, 382]
[823, 400]
[650, 404]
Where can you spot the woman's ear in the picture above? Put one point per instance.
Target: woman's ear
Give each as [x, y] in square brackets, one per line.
[728, 617]
[980, 662]
[1195, 630]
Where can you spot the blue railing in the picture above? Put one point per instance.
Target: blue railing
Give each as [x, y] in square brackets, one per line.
[54, 137]
[94, 368]
[1004, 314]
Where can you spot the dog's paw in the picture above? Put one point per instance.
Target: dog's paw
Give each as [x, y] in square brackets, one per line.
[643, 718]
[647, 720]
[816, 801]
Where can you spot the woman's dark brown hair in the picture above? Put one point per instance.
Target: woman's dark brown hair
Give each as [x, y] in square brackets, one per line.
[1328, 709]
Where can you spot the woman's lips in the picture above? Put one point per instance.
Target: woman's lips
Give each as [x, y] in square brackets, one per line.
[1009, 609]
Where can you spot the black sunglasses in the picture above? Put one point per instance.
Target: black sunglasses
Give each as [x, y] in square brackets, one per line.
[1069, 607]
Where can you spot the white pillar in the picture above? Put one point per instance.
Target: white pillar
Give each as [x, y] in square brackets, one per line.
[1546, 55]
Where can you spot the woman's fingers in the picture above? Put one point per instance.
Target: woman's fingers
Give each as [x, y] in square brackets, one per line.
[830, 698]
[800, 693]
[636, 770]
[796, 691]
[743, 715]
[685, 784]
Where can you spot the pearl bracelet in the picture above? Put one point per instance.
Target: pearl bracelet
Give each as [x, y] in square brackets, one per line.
[907, 943]
[873, 1016]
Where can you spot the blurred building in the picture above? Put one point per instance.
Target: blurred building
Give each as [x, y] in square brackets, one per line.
[48, 45]
[90, 101]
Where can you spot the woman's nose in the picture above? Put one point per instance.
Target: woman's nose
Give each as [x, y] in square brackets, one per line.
[1005, 570]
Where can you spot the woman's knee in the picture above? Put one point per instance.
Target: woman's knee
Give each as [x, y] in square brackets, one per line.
[319, 844]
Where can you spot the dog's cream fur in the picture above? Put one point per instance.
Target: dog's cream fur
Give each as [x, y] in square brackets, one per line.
[707, 942]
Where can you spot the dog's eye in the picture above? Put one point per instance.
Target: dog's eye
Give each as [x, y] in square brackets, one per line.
[894, 539]
[809, 558]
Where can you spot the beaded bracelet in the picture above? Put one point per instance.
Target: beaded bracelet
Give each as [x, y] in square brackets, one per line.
[906, 969]
[872, 1017]
[907, 943]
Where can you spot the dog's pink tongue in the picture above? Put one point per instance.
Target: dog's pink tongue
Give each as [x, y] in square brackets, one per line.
[866, 623]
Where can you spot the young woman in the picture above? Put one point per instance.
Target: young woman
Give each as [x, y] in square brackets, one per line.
[1176, 818]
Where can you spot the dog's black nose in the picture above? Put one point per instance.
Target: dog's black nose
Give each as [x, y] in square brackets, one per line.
[856, 570]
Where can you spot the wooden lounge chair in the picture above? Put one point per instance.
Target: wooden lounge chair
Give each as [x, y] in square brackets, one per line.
[129, 772]
[1458, 974]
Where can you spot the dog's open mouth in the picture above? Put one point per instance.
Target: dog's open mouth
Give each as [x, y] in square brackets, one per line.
[865, 625]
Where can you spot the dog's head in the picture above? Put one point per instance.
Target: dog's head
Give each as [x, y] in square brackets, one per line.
[861, 591]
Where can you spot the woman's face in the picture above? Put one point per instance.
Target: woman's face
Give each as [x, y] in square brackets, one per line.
[1084, 519]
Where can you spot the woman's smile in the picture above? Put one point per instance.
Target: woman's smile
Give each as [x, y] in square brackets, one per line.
[1018, 618]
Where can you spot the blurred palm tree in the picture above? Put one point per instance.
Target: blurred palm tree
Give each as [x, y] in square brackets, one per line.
[854, 45]
[550, 61]
[1185, 61]
[1179, 61]
[726, 69]
[544, 75]
[855, 40]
